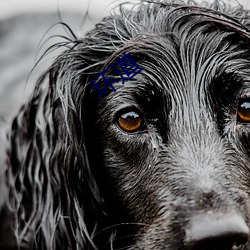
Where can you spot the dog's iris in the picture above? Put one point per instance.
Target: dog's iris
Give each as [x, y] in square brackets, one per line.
[244, 111]
[130, 122]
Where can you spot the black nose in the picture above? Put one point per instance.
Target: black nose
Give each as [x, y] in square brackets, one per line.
[217, 232]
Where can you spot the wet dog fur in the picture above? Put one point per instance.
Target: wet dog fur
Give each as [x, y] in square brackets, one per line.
[76, 180]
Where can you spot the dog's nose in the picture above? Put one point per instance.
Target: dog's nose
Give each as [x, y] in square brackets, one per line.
[217, 232]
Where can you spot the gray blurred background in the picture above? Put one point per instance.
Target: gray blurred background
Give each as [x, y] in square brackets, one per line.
[23, 23]
[25, 26]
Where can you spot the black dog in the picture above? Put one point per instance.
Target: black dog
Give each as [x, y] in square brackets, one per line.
[161, 163]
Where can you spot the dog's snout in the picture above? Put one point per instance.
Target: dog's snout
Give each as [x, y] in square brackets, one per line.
[222, 232]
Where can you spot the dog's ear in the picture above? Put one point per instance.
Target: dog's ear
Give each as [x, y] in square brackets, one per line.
[51, 186]
[53, 195]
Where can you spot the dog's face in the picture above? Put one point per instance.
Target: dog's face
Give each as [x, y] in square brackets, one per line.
[175, 139]
[161, 163]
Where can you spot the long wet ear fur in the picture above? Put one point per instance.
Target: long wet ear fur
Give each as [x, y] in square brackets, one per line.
[49, 163]
[53, 196]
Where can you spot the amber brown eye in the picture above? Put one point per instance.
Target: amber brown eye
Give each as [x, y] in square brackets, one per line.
[243, 113]
[130, 121]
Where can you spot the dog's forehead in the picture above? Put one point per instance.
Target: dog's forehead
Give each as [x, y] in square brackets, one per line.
[187, 49]
[186, 54]
[189, 66]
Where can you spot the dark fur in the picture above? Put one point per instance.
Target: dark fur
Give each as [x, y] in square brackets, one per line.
[76, 181]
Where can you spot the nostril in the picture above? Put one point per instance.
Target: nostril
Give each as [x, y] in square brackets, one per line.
[223, 242]
[222, 232]
[241, 241]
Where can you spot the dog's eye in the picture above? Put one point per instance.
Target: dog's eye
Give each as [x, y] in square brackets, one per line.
[243, 113]
[130, 121]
